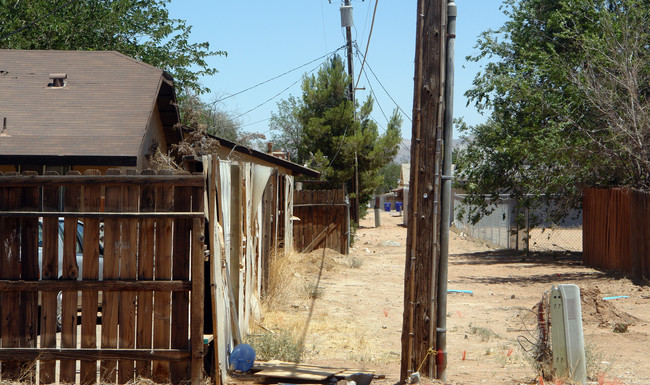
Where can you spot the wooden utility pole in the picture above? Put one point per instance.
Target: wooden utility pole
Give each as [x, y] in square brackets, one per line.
[419, 345]
[348, 37]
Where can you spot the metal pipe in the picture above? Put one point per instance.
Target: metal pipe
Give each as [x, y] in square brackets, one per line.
[446, 192]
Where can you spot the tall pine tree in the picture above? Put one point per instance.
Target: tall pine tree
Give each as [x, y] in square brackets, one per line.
[328, 131]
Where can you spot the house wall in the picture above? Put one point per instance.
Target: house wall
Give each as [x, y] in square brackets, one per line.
[154, 134]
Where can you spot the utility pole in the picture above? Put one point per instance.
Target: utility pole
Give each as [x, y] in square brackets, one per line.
[348, 38]
[421, 353]
[347, 21]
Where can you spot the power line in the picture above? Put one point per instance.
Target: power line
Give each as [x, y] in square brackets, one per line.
[387, 93]
[275, 77]
[372, 24]
[284, 90]
[37, 20]
[372, 91]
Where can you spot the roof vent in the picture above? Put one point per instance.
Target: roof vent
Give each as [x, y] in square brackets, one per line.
[57, 80]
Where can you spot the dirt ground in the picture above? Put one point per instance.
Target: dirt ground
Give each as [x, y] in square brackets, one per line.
[352, 315]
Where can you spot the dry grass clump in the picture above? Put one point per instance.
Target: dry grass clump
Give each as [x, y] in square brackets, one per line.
[284, 282]
[281, 345]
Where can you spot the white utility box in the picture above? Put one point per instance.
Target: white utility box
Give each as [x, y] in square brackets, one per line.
[566, 333]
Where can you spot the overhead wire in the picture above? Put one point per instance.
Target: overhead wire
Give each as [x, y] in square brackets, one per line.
[372, 24]
[322, 13]
[285, 89]
[37, 20]
[386, 91]
[274, 78]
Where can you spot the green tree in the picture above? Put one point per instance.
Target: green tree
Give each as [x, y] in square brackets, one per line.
[208, 118]
[140, 29]
[286, 127]
[564, 84]
[389, 177]
[329, 133]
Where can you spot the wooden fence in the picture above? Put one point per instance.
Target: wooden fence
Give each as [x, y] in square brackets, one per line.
[152, 260]
[616, 230]
[323, 220]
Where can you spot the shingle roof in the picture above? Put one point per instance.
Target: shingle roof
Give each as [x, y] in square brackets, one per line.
[102, 111]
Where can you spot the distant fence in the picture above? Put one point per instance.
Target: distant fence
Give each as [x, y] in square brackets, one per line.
[501, 227]
[149, 262]
[322, 220]
[617, 230]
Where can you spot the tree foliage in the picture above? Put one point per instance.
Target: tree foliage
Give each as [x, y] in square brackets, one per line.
[390, 174]
[326, 131]
[140, 29]
[566, 85]
[208, 118]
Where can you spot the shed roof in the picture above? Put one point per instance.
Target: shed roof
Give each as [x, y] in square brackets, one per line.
[100, 115]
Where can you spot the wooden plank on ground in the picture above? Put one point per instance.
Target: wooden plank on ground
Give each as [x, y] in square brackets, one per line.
[10, 270]
[128, 272]
[163, 272]
[110, 307]
[181, 271]
[49, 272]
[90, 271]
[294, 371]
[145, 272]
[70, 271]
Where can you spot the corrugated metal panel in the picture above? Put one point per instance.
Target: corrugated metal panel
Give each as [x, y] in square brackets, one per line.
[103, 109]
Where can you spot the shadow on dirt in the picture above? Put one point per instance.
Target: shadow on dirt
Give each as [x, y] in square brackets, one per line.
[521, 260]
[507, 257]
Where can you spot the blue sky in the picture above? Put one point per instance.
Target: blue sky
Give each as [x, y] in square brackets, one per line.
[267, 38]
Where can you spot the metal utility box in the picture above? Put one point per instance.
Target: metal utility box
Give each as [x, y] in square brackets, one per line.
[346, 16]
[566, 333]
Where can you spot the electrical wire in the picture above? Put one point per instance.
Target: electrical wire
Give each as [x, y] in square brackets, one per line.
[322, 13]
[275, 77]
[372, 92]
[37, 20]
[372, 24]
[291, 85]
[386, 91]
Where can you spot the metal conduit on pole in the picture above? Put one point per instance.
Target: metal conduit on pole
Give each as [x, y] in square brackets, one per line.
[446, 192]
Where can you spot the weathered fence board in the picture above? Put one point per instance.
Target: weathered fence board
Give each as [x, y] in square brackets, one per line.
[112, 246]
[90, 271]
[616, 230]
[317, 210]
[135, 279]
[70, 271]
[163, 272]
[145, 272]
[50, 271]
[10, 269]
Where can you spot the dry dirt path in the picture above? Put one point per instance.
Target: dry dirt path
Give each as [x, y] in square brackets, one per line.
[354, 318]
